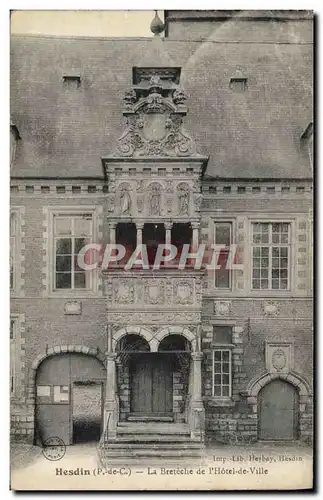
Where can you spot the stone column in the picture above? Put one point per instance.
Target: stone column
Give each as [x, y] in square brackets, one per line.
[111, 411]
[195, 238]
[112, 235]
[197, 413]
[139, 227]
[168, 233]
[111, 416]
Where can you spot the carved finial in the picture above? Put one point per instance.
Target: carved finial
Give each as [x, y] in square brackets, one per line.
[156, 25]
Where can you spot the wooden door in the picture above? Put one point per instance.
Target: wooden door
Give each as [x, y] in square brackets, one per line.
[141, 385]
[151, 385]
[278, 411]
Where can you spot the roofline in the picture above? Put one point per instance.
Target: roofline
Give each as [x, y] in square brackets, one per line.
[80, 37]
[207, 178]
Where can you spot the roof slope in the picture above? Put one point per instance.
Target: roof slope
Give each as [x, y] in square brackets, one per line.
[256, 133]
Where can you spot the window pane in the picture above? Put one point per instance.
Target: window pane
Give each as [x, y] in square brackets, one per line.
[64, 246]
[63, 280]
[79, 280]
[264, 284]
[226, 379]
[222, 278]
[222, 234]
[82, 226]
[225, 355]
[256, 273]
[217, 367]
[275, 284]
[225, 390]
[80, 243]
[256, 284]
[217, 379]
[226, 367]
[63, 263]
[256, 252]
[217, 355]
[63, 225]
[217, 390]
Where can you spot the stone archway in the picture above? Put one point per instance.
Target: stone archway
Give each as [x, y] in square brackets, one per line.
[179, 330]
[258, 384]
[60, 384]
[134, 330]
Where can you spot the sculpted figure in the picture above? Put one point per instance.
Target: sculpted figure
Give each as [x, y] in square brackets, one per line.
[183, 200]
[155, 201]
[125, 201]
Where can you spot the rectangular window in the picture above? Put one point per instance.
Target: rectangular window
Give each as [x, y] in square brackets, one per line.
[222, 373]
[270, 255]
[71, 234]
[223, 236]
[13, 250]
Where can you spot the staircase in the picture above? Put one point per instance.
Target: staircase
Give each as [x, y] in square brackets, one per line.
[151, 442]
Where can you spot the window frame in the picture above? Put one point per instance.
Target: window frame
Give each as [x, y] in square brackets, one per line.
[231, 223]
[270, 245]
[272, 219]
[222, 348]
[71, 237]
[73, 211]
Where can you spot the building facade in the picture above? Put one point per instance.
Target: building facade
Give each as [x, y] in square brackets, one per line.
[224, 353]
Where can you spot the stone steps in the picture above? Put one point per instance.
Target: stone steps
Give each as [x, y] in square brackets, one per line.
[139, 440]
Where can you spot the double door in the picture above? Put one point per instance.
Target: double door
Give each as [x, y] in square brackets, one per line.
[151, 385]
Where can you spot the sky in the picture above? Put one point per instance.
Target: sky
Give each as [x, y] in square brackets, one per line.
[83, 22]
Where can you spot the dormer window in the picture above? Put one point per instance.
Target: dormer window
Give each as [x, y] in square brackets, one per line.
[14, 137]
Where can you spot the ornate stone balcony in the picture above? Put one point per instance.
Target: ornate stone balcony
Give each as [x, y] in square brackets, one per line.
[154, 296]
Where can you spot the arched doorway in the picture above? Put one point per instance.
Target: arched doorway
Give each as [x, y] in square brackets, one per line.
[278, 411]
[70, 390]
[150, 384]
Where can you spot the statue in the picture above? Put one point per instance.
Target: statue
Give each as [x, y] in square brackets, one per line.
[125, 201]
[183, 199]
[155, 201]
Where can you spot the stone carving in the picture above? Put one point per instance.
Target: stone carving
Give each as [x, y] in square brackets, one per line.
[124, 293]
[169, 204]
[222, 307]
[140, 203]
[125, 201]
[140, 186]
[278, 360]
[73, 307]
[139, 318]
[110, 203]
[271, 308]
[179, 96]
[183, 292]
[169, 187]
[154, 293]
[183, 196]
[130, 98]
[154, 122]
[154, 199]
[279, 357]
[198, 202]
